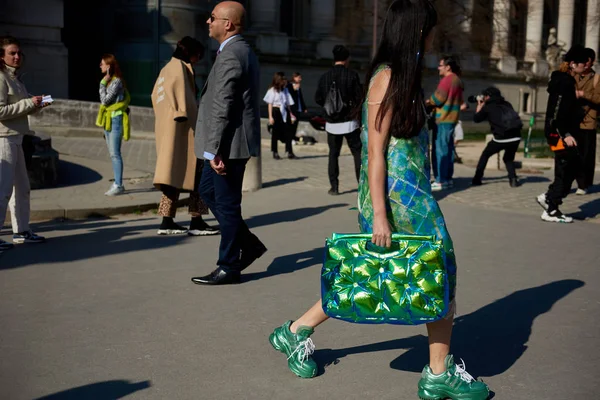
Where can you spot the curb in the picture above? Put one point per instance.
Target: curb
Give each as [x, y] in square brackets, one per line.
[83, 213]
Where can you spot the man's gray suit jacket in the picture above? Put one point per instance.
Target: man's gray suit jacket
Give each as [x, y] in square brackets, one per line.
[228, 116]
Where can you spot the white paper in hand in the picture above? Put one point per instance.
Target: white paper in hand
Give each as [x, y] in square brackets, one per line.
[47, 100]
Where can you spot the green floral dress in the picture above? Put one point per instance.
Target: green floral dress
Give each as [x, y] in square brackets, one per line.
[411, 208]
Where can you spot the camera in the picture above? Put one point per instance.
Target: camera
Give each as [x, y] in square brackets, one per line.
[475, 99]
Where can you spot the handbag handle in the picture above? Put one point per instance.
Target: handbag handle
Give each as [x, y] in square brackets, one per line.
[367, 246]
[395, 236]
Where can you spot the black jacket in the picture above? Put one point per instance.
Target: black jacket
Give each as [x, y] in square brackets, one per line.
[564, 117]
[349, 85]
[295, 95]
[492, 111]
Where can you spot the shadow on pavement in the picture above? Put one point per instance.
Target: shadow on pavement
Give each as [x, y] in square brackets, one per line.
[288, 264]
[96, 242]
[289, 215]
[107, 390]
[105, 237]
[533, 179]
[460, 184]
[71, 174]
[490, 339]
[283, 181]
[588, 210]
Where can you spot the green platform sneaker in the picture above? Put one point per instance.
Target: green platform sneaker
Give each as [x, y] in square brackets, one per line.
[455, 384]
[298, 347]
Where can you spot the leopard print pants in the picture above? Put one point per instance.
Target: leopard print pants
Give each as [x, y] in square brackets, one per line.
[168, 204]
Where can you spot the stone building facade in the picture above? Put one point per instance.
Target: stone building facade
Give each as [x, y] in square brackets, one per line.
[503, 42]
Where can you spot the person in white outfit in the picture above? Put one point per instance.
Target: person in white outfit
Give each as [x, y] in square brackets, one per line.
[15, 105]
[281, 117]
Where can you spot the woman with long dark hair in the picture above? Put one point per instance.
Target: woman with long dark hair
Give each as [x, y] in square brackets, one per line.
[113, 117]
[280, 114]
[394, 193]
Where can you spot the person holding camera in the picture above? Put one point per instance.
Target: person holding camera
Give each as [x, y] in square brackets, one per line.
[506, 126]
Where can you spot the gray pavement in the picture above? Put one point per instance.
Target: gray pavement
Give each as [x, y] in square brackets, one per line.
[105, 309]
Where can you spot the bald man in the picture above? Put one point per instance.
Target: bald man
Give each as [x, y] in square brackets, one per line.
[227, 135]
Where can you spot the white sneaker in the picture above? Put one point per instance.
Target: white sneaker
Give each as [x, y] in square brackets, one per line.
[115, 190]
[581, 192]
[436, 186]
[542, 201]
[556, 216]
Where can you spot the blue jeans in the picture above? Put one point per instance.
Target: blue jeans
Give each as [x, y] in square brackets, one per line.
[113, 141]
[442, 153]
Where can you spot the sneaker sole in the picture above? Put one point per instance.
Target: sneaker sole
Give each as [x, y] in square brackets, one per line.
[425, 394]
[557, 220]
[164, 232]
[196, 232]
[432, 393]
[21, 241]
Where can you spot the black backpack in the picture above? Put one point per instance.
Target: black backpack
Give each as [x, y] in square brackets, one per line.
[510, 118]
[334, 104]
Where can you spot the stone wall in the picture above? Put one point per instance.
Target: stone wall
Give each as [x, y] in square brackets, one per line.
[82, 115]
[37, 25]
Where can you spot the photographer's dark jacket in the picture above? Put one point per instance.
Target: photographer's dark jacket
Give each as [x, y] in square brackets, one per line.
[492, 112]
[563, 112]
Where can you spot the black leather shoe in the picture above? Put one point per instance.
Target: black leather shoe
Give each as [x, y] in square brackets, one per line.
[514, 182]
[218, 277]
[249, 256]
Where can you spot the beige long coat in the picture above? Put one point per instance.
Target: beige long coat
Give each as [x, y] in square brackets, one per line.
[174, 96]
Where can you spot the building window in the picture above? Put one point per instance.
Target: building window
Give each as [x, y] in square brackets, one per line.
[518, 25]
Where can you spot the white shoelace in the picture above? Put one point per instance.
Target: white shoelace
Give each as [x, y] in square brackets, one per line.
[306, 348]
[461, 371]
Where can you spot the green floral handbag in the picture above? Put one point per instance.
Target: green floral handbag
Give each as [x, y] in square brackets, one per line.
[405, 284]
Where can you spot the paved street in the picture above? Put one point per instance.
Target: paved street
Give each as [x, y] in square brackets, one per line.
[105, 309]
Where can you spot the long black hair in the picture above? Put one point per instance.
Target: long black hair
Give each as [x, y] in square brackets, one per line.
[402, 47]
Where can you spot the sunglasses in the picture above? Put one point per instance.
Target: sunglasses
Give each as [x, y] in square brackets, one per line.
[213, 18]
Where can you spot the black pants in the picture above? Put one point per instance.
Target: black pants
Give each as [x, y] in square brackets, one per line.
[586, 144]
[335, 147]
[281, 131]
[223, 195]
[567, 164]
[510, 149]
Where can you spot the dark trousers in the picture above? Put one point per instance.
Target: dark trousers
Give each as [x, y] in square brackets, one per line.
[293, 129]
[510, 149]
[335, 147]
[586, 144]
[280, 132]
[223, 195]
[567, 164]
